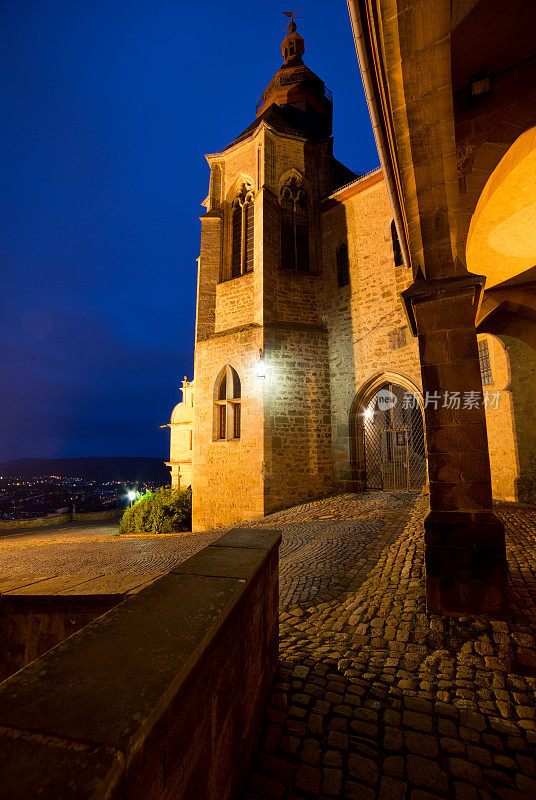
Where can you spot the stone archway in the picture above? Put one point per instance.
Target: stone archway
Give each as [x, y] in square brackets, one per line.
[388, 449]
[501, 243]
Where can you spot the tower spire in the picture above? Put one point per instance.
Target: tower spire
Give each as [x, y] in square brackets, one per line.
[295, 89]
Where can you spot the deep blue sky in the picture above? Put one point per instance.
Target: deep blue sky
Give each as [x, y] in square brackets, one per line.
[107, 109]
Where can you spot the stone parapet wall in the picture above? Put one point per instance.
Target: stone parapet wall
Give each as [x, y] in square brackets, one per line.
[37, 612]
[60, 519]
[162, 697]
[37, 522]
[96, 515]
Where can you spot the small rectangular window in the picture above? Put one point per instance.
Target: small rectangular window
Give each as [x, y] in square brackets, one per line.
[397, 250]
[485, 364]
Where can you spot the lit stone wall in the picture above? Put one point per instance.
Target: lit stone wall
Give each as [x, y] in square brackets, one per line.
[298, 458]
[295, 296]
[234, 302]
[297, 445]
[502, 442]
[284, 453]
[366, 321]
[323, 343]
[228, 474]
[523, 381]
[208, 274]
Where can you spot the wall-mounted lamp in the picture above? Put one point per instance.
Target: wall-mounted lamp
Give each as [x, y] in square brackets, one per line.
[480, 84]
[261, 367]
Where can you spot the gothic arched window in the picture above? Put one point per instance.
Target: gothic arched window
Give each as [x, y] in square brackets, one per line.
[343, 265]
[294, 226]
[242, 233]
[227, 404]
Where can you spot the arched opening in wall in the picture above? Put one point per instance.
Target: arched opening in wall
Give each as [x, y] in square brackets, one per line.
[227, 405]
[241, 236]
[389, 449]
[501, 243]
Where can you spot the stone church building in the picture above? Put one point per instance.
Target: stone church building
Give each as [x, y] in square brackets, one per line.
[307, 371]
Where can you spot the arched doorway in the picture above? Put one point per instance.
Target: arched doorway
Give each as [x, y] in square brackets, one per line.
[389, 438]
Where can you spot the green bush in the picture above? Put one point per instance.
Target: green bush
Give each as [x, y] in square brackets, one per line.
[165, 510]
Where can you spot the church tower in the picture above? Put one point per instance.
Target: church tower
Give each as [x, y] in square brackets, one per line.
[262, 420]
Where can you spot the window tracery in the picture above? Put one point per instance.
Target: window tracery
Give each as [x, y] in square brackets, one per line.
[242, 232]
[294, 210]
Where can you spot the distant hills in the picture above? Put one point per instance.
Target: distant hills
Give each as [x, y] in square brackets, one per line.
[129, 470]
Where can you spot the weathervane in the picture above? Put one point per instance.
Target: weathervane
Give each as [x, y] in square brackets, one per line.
[292, 15]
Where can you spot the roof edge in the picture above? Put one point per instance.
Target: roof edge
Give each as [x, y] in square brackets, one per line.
[354, 187]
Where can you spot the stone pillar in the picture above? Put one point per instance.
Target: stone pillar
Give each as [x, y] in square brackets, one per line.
[465, 553]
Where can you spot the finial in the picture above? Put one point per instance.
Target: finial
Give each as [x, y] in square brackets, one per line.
[292, 47]
[293, 16]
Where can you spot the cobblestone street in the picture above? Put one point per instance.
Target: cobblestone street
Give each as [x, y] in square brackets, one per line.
[95, 549]
[374, 697]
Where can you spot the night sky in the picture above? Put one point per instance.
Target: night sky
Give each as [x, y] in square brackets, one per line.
[107, 110]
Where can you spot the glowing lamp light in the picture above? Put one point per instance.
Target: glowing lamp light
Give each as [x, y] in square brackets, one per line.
[369, 413]
[261, 366]
[131, 496]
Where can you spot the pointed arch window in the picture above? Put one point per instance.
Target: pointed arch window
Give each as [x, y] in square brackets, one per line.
[242, 233]
[343, 265]
[227, 405]
[294, 210]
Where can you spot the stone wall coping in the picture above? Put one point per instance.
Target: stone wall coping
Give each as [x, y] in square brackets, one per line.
[73, 720]
[75, 584]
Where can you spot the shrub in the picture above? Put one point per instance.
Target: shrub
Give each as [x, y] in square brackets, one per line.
[165, 510]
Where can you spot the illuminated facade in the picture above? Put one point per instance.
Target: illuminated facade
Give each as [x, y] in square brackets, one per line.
[181, 438]
[301, 279]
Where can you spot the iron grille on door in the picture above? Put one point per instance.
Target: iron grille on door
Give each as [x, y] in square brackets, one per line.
[393, 431]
